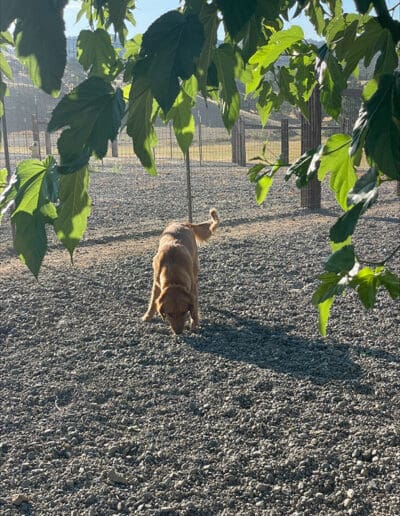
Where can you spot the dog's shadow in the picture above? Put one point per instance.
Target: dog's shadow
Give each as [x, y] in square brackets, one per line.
[275, 348]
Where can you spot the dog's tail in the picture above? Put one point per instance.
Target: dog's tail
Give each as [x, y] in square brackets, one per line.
[204, 230]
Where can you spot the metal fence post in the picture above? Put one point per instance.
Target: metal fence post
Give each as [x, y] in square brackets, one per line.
[311, 138]
[189, 187]
[36, 134]
[235, 142]
[285, 140]
[200, 144]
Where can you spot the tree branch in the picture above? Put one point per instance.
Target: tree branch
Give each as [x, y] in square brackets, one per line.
[386, 21]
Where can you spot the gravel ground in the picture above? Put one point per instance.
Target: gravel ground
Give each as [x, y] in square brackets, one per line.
[254, 414]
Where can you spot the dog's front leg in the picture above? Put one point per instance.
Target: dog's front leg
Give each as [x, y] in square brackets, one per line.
[155, 292]
[194, 309]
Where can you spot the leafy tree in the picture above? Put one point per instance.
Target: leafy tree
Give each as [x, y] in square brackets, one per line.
[178, 57]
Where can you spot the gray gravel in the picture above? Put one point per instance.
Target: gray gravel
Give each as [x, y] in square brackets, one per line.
[102, 414]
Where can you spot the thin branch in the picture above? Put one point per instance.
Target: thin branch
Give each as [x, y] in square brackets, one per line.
[382, 262]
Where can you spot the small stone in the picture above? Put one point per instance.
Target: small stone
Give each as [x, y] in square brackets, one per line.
[116, 478]
[350, 493]
[19, 499]
[346, 502]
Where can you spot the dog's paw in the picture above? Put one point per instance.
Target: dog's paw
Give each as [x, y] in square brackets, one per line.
[147, 317]
[193, 325]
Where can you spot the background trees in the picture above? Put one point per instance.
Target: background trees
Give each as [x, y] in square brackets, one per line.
[180, 57]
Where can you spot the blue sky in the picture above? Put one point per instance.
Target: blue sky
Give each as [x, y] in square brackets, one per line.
[148, 10]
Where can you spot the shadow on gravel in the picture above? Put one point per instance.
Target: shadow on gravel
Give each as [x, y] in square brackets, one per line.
[272, 347]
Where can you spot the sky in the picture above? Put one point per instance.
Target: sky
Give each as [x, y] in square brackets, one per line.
[149, 10]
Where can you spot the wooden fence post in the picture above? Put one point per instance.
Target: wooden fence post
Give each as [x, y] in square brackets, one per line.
[114, 148]
[235, 142]
[47, 142]
[242, 143]
[285, 140]
[311, 138]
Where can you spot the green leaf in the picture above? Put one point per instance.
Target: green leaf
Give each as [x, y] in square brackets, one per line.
[335, 159]
[332, 81]
[304, 168]
[97, 54]
[345, 225]
[263, 186]
[341, 261]
[5, 68]
[36, 185]
[366, 284]
[236, 14]
[362, 196]
[268, 54]
[73, 209]
[181, 114]
[209, 18]
[3, 178]
[391, 282]
[171, 44]
[328, 288]
[324, 309]
[225, 62]
[141, 114]
[41, 44]
[388, 60]
[92, 113]
[382, 132]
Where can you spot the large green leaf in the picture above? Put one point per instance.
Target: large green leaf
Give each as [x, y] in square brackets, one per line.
[41, 43]
[73, 209]
[362, 196]
[332, 81]
[97, 54]
[36, 188]
[381, 124]
[209, 18]
[141, 115]
[341, 261]
[366, 283]
[324, 309]
[236, 14]
[225, 61]
[328, 287]
[5, 68]
[92, 113]
[336, 161]
[171, 44]
[304, 168]
[391, 282]
[268, 54]
[181, 114]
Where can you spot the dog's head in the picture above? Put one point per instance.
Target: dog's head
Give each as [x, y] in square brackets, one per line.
[174, 305]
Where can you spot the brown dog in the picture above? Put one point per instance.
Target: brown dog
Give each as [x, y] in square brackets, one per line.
[176, 265]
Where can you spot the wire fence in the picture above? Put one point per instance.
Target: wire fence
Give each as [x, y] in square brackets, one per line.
[28, 112]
